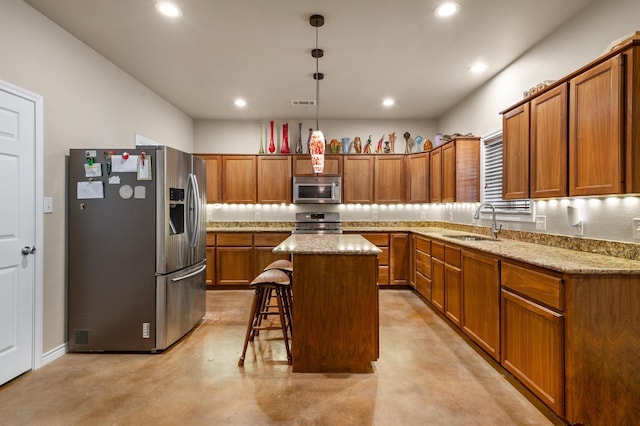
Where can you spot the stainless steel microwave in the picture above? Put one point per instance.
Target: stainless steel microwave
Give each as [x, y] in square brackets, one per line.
[317, 190]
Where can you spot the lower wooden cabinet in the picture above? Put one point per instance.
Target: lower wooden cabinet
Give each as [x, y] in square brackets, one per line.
[481, 301]
[437, 275]
[381, 240]
[399, 258]
[452, 284]
[422, 266]
[264, 243]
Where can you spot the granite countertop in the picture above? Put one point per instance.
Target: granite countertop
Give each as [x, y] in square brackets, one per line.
[547, 256]
[345, 244]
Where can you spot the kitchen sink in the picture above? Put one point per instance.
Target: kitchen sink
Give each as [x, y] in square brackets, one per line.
[466, 237]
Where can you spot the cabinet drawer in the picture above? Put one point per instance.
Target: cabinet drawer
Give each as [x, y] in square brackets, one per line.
[541, 287]
[423, 285]
[379, 240]
[383, 258]
[269, 239]
[437, 250]
[423, 263]
[423, 245]
[211, 239]
[383, 275]
[452, 256]
[235, 240]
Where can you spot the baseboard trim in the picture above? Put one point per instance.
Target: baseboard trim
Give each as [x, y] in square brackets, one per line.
[53, 354]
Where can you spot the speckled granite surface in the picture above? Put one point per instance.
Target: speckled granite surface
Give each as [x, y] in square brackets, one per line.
[556, 252]
[345, 244]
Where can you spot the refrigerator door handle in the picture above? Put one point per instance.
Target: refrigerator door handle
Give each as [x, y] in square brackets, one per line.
[189, 275]
[195, 205]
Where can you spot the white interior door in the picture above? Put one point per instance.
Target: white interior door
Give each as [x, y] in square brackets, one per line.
[17, 233]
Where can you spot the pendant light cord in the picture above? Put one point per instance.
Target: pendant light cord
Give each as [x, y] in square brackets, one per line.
[317, 84]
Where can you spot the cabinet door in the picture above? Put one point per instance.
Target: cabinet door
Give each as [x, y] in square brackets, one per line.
[549, 144]
[358, 179]
[481, 301]
[453, 290]
[389, 179]
[532, 348]
[467, 169]
[449, 173]
[435, 175]
[214, 177]
[332, 165]
[274, 179]
[399, 262]
[210, 276]
[263, 249]
[234, 265]
[595, 130]
[437, 284]
[239, 179]
[515, 153]
[418, 178]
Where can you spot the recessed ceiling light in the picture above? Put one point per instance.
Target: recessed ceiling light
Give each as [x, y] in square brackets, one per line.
[388, 102]
[240, 103]
[447, 9]
[168, 9]
[478, 67]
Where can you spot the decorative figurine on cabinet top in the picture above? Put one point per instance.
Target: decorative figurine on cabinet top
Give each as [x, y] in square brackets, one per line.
[284, 149]
[367, 146]
[261, 151]
[345, 145]
[272, 144]
[392, 141]
[299, 143]
[406, 137]
[357, 145]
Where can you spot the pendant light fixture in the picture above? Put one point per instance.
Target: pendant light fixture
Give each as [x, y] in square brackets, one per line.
[317, 142]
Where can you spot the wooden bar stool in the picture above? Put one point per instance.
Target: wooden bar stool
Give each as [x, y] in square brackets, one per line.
[272, 281]
[287, 267]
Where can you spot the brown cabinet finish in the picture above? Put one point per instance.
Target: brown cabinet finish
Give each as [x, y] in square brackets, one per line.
[418, 177]
[460, 173]
[449, 172]
[274, 179]
[399, 253]
[481, 301]
[389, 179]
[381, 240]
[214, 177]
[435, 175]
[357, 183]
[549, 144]
[532, 348]
[302, 165]
[264, 243]
[595, 132]
[422, 266]
[210, 276]
[453, 292]
[239, 179]
[515, 153]
[437, 275]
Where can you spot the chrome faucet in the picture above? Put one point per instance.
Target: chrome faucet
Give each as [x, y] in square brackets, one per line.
[494, 226]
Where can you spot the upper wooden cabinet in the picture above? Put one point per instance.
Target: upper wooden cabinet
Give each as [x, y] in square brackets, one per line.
[455, 171]
[274, 179]
[417, 173]
[389, 179]
[214, 177]
[239, 179]
[515, 153]
[357, 182]
[596, 130]
[302, 165]
[435, 175]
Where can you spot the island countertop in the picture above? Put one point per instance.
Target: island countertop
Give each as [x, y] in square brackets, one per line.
[346, 244]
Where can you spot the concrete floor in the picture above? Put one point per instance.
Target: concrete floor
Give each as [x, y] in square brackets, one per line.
[427, 374]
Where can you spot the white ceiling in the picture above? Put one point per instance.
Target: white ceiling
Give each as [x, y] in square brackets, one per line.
[260, 50]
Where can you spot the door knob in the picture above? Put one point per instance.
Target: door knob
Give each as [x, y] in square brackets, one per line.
[28, 250]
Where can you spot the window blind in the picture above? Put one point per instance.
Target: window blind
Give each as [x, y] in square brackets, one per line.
[492, 191]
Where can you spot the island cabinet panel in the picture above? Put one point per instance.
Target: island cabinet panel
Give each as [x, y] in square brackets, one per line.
[481, 301]
[399, 258]
[239, 179]
[274, 179]
[418, 178]
[381, 240]
[515, 153]
[596, 130]
[358, 179]
[602, 349]
[549, 144]
[335, 313]
[389, 180]
[332, 165]
[214, 177]
[435, 175]
[437, 275]
[532, 335]
[234, 258]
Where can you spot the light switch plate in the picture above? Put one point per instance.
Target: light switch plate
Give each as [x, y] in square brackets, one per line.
[636, 228]
[257, 216]
[541, 223]
[48, 205]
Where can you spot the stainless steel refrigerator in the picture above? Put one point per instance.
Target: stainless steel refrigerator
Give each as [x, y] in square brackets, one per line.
[136, 223]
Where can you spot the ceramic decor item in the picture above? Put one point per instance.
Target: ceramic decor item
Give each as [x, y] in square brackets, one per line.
[392, 142]
[299, 143]
[345, 145]
[309, 141]
[357, 145]
[379, 147]
[284, 149]
[428, 145]
[418, 142]
[387, 147]
[335, 146]
[272, 145]
[261, 151]
[367, 146]
[406, 137]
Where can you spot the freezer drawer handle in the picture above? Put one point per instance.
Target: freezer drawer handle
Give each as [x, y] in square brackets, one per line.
[184, 277]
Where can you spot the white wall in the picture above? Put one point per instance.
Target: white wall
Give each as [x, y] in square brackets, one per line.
[243, 137]
[88, 102]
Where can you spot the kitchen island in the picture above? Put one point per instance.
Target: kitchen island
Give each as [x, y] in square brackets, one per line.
[335, 308]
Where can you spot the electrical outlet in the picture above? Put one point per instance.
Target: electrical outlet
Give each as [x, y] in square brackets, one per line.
[451, 216]
[256, 216]
[423, 215]
[578, 229]
[636, 228]
[374, 215]
[541, 223]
